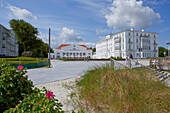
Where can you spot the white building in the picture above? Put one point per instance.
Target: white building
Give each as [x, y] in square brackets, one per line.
[71, 51]
[138, 43]
[8, 42]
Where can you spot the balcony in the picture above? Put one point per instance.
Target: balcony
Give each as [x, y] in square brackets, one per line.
[130, 49]
[155, 50]
[129, 42]
[155, 44]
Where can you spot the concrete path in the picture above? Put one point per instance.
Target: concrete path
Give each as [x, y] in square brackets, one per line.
[61, 70]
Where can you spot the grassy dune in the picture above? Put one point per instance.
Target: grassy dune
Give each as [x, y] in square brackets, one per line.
[105, 90]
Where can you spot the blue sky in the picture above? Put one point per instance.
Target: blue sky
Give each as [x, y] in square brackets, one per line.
[88, 21]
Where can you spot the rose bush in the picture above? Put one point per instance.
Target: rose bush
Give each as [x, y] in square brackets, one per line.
[13, 84]
[18, 95]
[37, 102]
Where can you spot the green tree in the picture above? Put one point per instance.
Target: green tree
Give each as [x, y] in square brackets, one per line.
[24, 32]
[161, 51]
[28, 40]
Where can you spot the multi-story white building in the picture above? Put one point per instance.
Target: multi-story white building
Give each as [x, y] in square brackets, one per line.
[8, 42]
[138, 43]
[71, 51]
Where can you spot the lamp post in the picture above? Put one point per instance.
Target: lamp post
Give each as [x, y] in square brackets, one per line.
[168, 49]
[49, 49]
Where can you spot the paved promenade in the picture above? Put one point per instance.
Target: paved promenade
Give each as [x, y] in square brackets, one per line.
[61, 70]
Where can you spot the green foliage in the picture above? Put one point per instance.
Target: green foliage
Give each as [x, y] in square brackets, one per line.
[161, 51]
[104, 89]
[24, 60]
[63, 59]
[18, 96]
[24, 32]
[13, 83]
[112, 57]
[28, 40]
[37, 102]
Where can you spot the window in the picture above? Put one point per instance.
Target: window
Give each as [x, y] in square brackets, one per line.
[3, 45]
[129, 39]
[63, 54]
[136, 34]
[84, 54]
[154, 36]
[137, 46]
[129, 34]
[129, 46]
[136, 40]
[148, 35]
[3, 38]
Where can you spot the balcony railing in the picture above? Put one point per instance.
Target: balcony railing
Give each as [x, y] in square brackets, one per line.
[155, 50]
[130, 49]
[155, 44]
[129, 42]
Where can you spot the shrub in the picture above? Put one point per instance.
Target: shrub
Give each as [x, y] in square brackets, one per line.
[111, 57]
[37, 102]
[63, 59]
[13, 83]
[114, 58]
[118, 58]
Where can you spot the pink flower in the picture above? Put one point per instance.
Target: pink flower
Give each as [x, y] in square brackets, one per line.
[20, 67]
[49, 95]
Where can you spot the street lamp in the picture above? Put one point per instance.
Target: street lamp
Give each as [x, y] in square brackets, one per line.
[49, 49]
[168, 49]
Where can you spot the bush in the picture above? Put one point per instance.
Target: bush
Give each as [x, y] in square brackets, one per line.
[63, 59]
[37, 102]
[118, 58]
[13, 83]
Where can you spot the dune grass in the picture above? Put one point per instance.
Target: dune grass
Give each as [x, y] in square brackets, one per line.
[105, 90]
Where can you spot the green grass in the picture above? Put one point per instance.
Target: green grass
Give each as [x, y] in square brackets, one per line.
[23, 60]
[105, 90]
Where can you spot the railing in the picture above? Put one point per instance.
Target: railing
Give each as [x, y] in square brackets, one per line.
[117, 65]
[155, 50]
[155, 43]
[129, 42]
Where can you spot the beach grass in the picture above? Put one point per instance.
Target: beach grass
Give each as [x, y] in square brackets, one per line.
[105, 90]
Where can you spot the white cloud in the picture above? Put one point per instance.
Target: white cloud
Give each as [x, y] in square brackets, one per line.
[53, 40]
[21, 13]
[89, 44]
[156, 2]
[69, 36]
[131, 13]
[102, 37]
[99, 31]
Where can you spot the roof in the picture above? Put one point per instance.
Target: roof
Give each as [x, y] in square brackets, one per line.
[85, 47]
[4, 28]
[64, 45]
[125, 31]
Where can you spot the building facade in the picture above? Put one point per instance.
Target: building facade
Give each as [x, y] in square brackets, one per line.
[140, 44]
[71, 51]
[8, 42]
